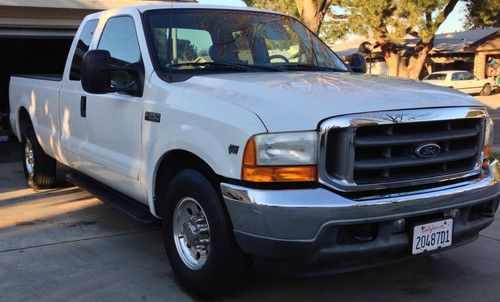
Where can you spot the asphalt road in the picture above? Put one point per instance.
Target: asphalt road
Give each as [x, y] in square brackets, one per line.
[64, 245]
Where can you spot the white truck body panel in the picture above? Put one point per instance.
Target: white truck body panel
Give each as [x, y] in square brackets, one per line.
[122, 162]
[340, 171]
[203, 115]
[40, 98]
[306, 98]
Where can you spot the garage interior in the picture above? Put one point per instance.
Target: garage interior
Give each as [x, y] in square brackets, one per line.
[33, 40]
[35, 37]
[30, 55]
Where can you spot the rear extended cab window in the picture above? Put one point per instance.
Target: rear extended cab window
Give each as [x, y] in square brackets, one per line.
[82, 47]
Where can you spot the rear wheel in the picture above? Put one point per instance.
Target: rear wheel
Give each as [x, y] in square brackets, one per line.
[199, 239]
[486, 90]
[39, 168]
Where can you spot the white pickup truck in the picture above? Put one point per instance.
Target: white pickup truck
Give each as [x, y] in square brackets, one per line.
[256, 145]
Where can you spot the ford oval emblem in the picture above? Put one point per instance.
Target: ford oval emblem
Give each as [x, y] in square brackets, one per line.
[427, 150]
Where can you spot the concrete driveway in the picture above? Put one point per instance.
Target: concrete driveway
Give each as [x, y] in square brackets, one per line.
[64, 245]
[492, 102]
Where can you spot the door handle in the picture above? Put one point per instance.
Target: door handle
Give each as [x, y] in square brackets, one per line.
[83, 106]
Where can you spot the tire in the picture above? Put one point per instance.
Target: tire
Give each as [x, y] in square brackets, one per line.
[39, 168]
[222, 267]
[486, 90]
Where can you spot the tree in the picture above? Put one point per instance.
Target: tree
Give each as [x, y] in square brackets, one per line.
[288, 7]
[389, 21]
[186, 51]
[386, 21]
[310, 12]
[482, 14]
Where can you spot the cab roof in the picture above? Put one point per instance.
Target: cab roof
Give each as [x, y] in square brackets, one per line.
[181, 5]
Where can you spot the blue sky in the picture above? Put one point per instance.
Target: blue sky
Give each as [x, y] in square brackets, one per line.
[452, 23]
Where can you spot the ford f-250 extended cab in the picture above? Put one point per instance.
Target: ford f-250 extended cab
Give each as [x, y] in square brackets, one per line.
[256, 145]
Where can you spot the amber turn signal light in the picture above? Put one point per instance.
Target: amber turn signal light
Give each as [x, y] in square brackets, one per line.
[252, 172]
[487, 150]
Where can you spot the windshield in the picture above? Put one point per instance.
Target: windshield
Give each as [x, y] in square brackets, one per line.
[208, 40]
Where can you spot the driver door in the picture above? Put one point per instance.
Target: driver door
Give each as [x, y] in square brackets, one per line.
[111, 150]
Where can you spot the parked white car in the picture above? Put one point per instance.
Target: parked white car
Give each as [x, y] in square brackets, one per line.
[256, 145]
[461, 80]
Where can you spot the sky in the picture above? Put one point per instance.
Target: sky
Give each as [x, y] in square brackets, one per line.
[453, 22]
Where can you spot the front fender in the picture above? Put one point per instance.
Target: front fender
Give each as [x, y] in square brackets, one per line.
[202, 125]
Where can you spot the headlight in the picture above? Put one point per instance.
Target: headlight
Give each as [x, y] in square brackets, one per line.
[281, 157]
[286, 149]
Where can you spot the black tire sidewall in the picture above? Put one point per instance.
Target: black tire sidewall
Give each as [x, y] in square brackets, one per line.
[225, 263]
[486, 90]
[44, 172]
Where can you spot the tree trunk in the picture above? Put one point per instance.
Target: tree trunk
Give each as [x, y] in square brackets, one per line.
[417, 61]
[393, 61]
[391, 55]
[395, 65]
[312, 12]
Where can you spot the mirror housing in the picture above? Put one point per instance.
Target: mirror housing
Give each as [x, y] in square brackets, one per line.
[97, 70]
[357, 62]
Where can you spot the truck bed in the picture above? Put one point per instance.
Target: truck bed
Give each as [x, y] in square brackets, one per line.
[39, 95]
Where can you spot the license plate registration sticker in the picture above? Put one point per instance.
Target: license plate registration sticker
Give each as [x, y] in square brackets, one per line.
[432, 236]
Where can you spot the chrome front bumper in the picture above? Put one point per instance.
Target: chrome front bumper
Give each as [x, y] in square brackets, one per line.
[304, 216]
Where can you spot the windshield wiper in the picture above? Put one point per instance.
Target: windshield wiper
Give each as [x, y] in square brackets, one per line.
[300, 66]
[213, 66]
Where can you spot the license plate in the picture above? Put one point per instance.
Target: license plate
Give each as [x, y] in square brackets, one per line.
[432, 236]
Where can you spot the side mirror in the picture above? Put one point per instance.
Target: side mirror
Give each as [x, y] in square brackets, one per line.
[100, 76]
[95, 71]
[357, 62]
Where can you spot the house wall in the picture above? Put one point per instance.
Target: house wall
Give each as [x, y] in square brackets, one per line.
[484, 50]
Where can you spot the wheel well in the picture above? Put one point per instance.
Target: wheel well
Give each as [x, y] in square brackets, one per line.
[24, 120]
[172, 163]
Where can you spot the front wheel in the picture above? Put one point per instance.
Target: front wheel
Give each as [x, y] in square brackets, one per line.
[39, 168]
[486, 90]
[199, 239]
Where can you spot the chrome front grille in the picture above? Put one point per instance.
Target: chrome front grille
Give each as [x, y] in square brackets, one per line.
[380, 150]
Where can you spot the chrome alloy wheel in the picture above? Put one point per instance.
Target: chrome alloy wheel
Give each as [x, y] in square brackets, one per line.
[191, 233]
[29, 158]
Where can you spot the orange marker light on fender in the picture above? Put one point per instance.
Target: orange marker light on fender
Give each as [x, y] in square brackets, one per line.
[251, 172]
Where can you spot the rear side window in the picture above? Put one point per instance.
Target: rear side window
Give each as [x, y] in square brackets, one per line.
[81, 48]
[468, 76]
[458, 76]
[436, 77]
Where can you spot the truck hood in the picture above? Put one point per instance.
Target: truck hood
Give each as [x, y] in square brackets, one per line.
[294, 101]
